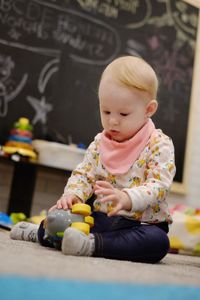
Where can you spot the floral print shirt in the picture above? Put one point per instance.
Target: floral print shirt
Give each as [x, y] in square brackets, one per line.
[147, 182]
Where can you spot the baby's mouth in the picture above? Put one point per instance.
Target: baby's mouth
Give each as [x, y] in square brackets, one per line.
[113, 133]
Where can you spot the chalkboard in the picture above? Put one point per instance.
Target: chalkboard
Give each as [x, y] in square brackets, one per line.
[52, 54]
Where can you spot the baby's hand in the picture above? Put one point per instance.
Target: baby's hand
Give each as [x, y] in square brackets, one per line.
[119, 199]
[66, 202]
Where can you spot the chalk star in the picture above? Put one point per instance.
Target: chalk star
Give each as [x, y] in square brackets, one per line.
[41, 108]
[14, 34]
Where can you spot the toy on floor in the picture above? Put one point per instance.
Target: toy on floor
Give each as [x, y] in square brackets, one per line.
[5, 221]
[184, 232]
[21, 217]
[58, 220]
[19, 142]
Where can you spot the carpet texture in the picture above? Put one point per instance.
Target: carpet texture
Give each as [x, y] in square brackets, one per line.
[29, 259]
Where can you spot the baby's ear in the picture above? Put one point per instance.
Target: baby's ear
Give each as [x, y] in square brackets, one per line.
[151, 108]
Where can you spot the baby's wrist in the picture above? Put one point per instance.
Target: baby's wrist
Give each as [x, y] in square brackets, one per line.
[67, 195]
[127, 201]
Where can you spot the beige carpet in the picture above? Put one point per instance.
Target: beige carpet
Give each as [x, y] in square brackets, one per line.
[31, 259]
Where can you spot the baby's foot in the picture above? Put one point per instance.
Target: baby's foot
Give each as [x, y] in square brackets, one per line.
[76, 242]
[24, 231]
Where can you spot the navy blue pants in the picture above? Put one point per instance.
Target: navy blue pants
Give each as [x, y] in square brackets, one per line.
[124, 239]
[121, 238]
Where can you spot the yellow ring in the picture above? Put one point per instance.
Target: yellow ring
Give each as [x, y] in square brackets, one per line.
[89, 220]
[82, 209]
[81, 226]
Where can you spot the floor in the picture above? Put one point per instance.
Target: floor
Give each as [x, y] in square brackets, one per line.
[31, 259]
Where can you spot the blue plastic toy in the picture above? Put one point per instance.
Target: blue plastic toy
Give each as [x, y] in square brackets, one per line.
[5, 221]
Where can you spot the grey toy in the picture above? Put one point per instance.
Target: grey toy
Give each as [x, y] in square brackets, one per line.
[58, 220]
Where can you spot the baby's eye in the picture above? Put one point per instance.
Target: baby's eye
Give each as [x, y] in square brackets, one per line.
[123, 115]
[106, 112]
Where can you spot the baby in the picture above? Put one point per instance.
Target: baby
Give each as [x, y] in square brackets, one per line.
[128, 169]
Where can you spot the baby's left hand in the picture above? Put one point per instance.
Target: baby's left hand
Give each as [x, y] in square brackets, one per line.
[119, 198]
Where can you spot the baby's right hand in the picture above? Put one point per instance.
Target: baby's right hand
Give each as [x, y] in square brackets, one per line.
[66, 202]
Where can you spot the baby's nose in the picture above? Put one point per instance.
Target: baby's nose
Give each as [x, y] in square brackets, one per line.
[113, 120]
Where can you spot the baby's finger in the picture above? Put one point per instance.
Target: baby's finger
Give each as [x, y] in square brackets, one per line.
[70, 202]
[106, 199]
[97, 187]
[104, 191]
[52, 208]
[104, 184]
[59, 204]
[64, 204]
[114, 211]
[74, 201]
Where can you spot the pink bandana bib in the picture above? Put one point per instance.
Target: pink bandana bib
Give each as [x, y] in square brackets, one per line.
[119, 157]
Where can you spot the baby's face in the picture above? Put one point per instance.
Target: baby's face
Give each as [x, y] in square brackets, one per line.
[123, 110]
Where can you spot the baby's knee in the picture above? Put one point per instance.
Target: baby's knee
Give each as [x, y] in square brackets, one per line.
[162, 247]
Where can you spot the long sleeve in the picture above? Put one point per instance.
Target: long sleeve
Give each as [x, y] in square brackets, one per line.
[82, 179]
[149, 197]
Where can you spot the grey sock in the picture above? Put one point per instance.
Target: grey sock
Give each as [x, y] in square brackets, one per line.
[76, 242]
[24, 231]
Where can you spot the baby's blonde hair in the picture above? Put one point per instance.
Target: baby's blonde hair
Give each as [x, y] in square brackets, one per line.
[134, 72]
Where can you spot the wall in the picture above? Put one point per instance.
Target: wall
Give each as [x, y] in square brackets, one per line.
[192, 197]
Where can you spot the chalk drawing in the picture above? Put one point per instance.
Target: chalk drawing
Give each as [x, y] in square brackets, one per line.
[178, 16]
[38, 24]
[9, 88]
[49, 69]
[39, 50]
[131, 14]
[183, 18]
[42, 108]
[134, 47]
[147, 14]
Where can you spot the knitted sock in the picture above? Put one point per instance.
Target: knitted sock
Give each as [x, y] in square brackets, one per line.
[24, 231]
[76, 242]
